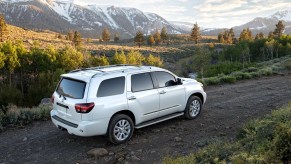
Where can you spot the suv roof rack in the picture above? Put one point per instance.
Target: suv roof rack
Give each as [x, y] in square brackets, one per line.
[101, 67]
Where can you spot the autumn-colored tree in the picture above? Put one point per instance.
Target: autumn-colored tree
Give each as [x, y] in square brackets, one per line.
[106, 35]
[220, 37]
[154, 61]
[99, 61]
[12, 60]
[195, 34]
[157, 37]
[119, 58]
[246, 35]
[139, 38]
[279, 29]
[151, 40]
[164, 34]
[259, 36]
[134, 58]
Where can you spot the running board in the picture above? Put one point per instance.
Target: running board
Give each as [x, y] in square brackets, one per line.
[157, 120]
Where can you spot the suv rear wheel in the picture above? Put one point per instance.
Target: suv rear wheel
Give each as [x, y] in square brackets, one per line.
[120, 129]
[193, 108]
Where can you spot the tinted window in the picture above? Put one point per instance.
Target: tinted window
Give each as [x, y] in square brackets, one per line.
[71, 88]
[141, 82]
[111, 87]
[165, 79]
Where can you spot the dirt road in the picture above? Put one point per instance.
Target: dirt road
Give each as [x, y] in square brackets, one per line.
[228, 107]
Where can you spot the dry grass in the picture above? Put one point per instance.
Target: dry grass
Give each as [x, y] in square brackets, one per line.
[46, 38]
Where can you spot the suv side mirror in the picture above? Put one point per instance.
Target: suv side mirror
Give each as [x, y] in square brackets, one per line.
[179, 81]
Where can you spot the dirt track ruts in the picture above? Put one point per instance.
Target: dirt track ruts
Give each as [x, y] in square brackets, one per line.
[227, 108]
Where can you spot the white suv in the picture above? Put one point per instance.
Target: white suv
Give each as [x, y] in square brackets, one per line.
[115, 100]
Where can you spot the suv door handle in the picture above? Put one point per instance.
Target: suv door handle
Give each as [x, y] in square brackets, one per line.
[131, 98]
[163, 92]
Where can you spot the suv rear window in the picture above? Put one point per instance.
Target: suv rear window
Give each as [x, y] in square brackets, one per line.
[110, 87]
[71, 88]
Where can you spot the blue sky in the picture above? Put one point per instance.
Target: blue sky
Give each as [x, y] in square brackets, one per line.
[207, 13]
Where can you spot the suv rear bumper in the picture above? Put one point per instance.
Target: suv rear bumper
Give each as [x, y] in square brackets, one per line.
[83, 128]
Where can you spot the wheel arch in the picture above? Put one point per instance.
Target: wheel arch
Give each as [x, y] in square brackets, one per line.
[198, 94]
[125, 112]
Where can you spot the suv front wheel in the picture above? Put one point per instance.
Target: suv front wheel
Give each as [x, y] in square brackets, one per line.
[193, 108]
[120, 129]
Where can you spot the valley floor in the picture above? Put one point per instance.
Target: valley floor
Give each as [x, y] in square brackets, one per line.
[227, 108]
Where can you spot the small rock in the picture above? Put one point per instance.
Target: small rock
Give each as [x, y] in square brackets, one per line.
[24, 139]
[152, 151]
[139, 150]
[178, 139]
[111, 153]
[135, 158]
[97, 152]
[120, 159]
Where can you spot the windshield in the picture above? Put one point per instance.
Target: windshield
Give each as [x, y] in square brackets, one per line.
[71, 88]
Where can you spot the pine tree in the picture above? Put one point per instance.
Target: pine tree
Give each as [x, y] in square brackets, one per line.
[195, 35]
[164, 34]
[157, 37]
[116, 37]
[231, 33]
[139, 39]
[106, 35]
[2, 27]
[77, 39]
[280, 27]
[151, 40]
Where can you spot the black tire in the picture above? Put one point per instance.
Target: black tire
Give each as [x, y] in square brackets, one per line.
[123, 126]
[193, 111]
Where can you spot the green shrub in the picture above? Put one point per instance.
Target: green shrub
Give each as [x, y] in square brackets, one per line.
[282, 141]
[238, 75]
[255, 74]
[287, 64]
[265, 140]
[9, 95]
[212, 81]
[228, 79]
[24, 116]
[247, 75]
[266, 71]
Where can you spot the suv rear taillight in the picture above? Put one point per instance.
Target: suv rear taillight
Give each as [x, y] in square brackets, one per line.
[84, 107]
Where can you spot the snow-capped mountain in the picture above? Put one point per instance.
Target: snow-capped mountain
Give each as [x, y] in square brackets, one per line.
[90, 20]
[261, 24]
[185, 26]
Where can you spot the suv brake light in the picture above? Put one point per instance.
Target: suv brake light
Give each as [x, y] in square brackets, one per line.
[84, 107]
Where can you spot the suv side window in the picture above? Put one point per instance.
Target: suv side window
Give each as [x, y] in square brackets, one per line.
[111, 87]
[141, 82]
[165, 79]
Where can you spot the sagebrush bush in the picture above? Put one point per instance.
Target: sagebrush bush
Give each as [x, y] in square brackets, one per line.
[287, 64]
[228, 79]
[24, 116]
[266, 71]
[212, 81]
